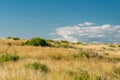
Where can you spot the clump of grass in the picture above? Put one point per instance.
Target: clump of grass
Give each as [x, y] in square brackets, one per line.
[9, 57]
[106, 54]
[64, 41]
[82, 74]
[116, 70]
[82, 54]
[87, 54]
[98, 78]
[103, 48]
[66, 45]
[114, 59]
[79, 74]
[70, 72]
[37, 66]
[57, 57]
[79, 43]
[112, 45]
[9, 44]
[119, 45]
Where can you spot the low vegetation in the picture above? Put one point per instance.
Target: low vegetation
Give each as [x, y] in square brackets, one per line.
[14, 38]
[8, 57]
[41, 59]
[36, 42]
[37, 66]
[88, 54]
[117, 70]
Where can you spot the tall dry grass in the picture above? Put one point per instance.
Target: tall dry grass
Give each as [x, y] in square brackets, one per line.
[60, 61]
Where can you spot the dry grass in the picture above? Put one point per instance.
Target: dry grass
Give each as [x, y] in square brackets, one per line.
[60, 61]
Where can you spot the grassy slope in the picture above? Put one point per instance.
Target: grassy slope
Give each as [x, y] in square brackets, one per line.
[61, 62]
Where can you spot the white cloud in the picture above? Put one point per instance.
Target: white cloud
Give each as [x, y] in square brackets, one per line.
[86, 24]
[91, 33]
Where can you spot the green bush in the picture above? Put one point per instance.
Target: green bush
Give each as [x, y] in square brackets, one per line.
[37, 66]
[36, 42]
[9, 57]
[14, 38]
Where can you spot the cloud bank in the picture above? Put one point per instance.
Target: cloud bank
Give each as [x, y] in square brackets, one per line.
[89, 32]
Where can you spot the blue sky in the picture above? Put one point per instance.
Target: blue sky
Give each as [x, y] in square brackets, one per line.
[43, 18]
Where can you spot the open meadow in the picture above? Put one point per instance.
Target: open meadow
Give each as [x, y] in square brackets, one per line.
[61, 61]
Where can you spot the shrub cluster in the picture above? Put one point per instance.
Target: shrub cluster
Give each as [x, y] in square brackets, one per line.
[37, 66]
[9, 57]
[36, 42]
[14, 38]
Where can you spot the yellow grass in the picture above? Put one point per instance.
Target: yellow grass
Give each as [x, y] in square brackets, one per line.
[59, 68]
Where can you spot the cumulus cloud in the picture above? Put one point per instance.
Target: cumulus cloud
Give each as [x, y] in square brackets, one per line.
[103, 33]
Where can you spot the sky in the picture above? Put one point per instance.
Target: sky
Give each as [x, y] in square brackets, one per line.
[72, 20]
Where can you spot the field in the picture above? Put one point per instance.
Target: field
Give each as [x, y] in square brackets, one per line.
[64, 61]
